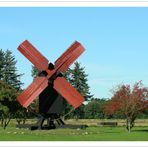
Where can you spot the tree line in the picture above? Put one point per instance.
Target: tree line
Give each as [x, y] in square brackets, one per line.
[126, 102]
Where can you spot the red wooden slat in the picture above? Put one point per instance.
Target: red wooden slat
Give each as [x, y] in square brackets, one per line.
[76, 46]
[74, 55]
[66, 53]
[32, 91]
[33, 55]
[64, 88]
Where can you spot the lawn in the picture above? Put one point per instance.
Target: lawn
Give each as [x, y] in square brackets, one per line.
[92, 133]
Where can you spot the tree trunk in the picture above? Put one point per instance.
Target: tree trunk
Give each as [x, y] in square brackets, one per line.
[24, 120]
[63, 118]
[18, 121]
[2, 122]
[129, 123]
[6, 122]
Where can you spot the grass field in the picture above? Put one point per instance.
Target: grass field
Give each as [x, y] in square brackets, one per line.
[92, 133]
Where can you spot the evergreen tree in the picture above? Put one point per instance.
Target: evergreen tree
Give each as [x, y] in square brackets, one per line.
[1, 63]
[10, 85]
[78, 78]
[34, 71]
[8, 70]
[79, 81]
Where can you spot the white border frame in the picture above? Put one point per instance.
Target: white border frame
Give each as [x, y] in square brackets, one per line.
[76, 144]
[73, 3]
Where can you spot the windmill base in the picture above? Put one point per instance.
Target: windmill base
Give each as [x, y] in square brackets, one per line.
[53, 121]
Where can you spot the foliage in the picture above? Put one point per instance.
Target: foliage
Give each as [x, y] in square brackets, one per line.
[8, 69]
[94, 109]
[129, 102]
[10, 85]
[78, 79]
[1, 63]
[7, 103]
[34, 71]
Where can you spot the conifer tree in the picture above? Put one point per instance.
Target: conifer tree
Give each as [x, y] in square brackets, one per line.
[10, 85]
[79, 81]
[34, 71]
[78, 78]
[9, 73]
[1, 63]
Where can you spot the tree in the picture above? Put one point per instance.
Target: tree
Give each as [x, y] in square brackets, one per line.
[10, 85]
[129, 102]
[34, 71]
[1, 63]
[7, 103]
[94, 109]
[8, 70]
[78, 78]
[79, 81]
[21, 114]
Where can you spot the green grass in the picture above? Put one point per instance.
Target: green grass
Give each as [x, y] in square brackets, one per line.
[88, 134]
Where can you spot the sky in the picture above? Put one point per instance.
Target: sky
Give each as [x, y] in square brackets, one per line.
[115, 39]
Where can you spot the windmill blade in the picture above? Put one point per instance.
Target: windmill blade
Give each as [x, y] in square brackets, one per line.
[69, 56]
[33, 55]
[69, 93]
[32, 91]
[71, 59]
[66, 53]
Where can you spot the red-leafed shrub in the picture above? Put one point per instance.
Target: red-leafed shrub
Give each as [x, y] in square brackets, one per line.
[129, 102]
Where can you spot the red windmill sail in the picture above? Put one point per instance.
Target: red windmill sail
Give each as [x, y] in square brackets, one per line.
[32, 91]
[69, 56]
[64, 88]
[61, 65]
[33, 55]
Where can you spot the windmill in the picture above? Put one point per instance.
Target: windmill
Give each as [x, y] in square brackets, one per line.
[50, 85]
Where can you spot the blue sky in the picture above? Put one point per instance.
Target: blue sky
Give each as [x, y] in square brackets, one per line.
[116, 41]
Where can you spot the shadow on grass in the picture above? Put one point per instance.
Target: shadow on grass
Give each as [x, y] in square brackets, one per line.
[140, 130]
